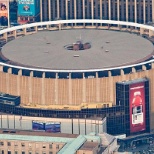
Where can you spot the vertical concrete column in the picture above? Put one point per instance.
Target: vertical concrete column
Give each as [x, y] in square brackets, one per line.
[15, 33]
[47, 26]
[56, 89]
[83, 1]
[109, 73]
[36, 29]
[152, 65]
[25, 31]
[97, 88]
[144, 12]
[84, 89]
[83, 9]
[92, 9]
[111, 91]
[49, 7]
[1, 68]
[66, 3]
[7, 80]
[141, 31]
[109, 6]
[58, 12]
[150, 33]
[122, 72]
[18, 82]
[153, 11]
[144, 68]
[9, 70]
[60, 26]
[127, 10]
[70, 89]
[43, 90]
[75, 11]
[135, 6]
[41, 16]
[101, 15]
[30, 88]
[120, 27]
[5, 36]
[133, 70]
[118, 13]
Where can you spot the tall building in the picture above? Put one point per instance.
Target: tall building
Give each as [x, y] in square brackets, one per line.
[139, 11]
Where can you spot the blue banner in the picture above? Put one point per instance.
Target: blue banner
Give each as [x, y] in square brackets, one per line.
[53, 127]
[28, 7]
[36, 125]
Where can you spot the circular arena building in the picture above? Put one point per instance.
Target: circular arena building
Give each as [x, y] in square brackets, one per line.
[62, 68]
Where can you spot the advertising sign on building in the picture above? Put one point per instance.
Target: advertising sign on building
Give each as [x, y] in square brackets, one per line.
[53, 127]
[4, 12]
[137, 107]
[37, 125]
[28, 7]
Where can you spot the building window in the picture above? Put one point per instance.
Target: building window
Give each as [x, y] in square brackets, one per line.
[44, 146]
[43, 152]
[23, 144]
[30, 145]
[1, 143]
[16, 152]
[50, 146]
[30, 152]
[104, 105]
[57, 146]
[9, 152]
[2, 151]
[15, 144]
[23, 152]
[8, 143]
[36, 152]
[37, 145]
[50, 152]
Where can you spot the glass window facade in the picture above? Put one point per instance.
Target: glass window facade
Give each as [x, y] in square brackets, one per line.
[123, 98]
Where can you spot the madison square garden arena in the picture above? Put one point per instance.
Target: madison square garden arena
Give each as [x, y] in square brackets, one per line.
[94, 59]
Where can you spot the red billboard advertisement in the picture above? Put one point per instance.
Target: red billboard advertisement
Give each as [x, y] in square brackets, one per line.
[137, 107]
[4, 12]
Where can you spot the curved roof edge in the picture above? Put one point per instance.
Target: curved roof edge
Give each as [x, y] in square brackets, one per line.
[77, 21]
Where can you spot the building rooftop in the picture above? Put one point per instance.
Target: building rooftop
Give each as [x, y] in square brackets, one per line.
[127, 82]
[89, 146]
[29, 133]
[46, 49]
[72, 142]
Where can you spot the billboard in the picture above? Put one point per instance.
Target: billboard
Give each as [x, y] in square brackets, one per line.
[137, 107]
[37, 125]
[4, 12]
[53, 127]
[28, 7]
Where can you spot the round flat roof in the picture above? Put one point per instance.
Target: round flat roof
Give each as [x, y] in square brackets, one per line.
[45, 49]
